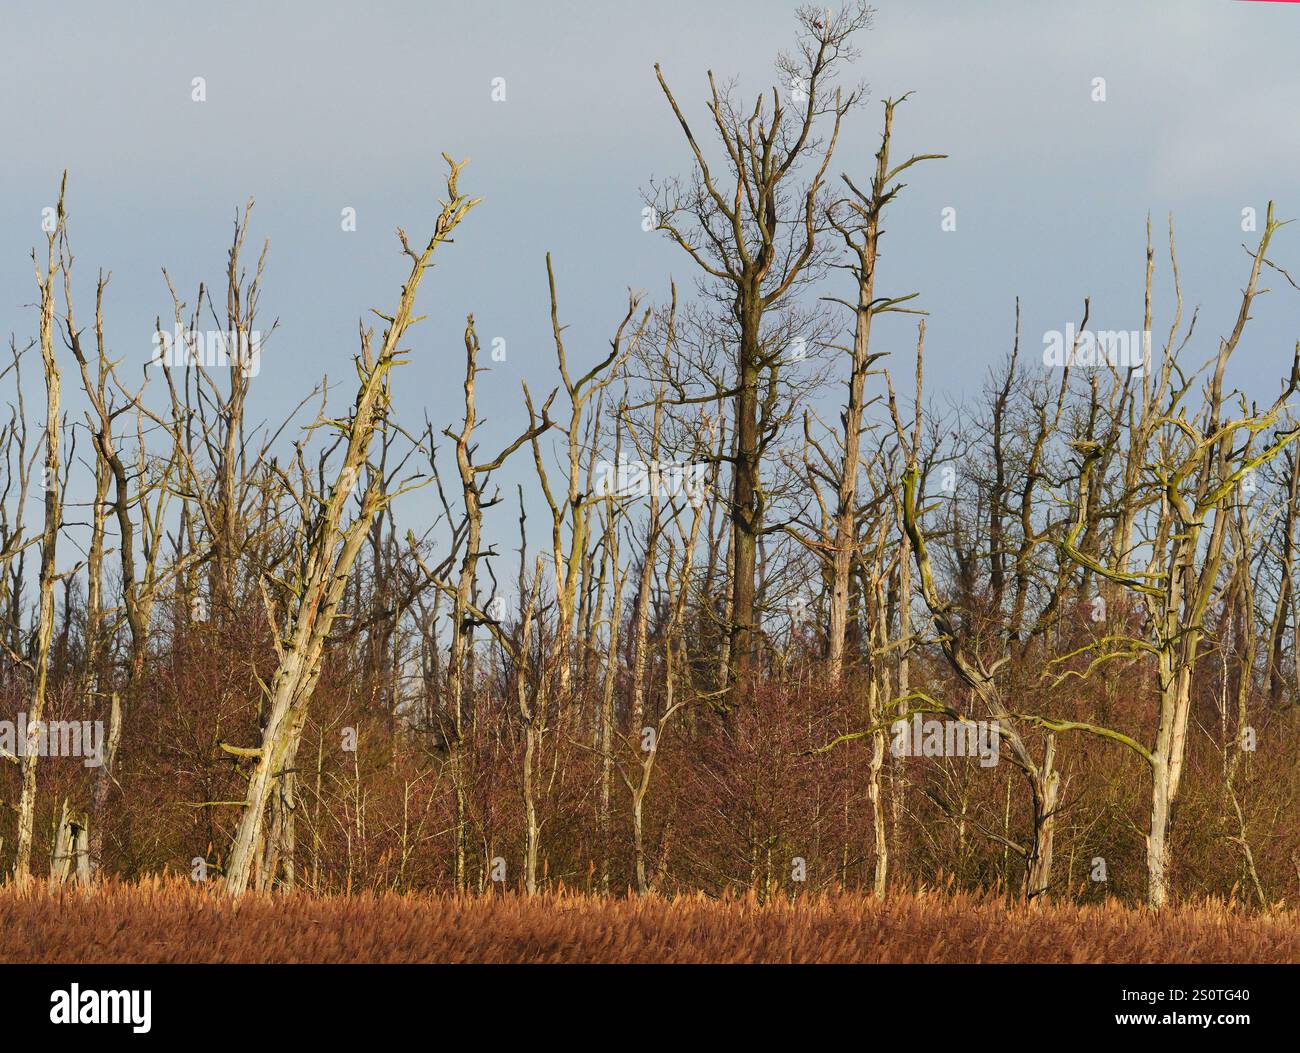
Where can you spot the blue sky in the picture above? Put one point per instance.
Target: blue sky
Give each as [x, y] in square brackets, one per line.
[314, 107]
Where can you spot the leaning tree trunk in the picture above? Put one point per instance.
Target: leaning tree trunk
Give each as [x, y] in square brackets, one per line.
[324, 571]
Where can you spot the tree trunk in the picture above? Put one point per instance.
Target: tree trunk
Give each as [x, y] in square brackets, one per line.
[746, 512]
[40, 661]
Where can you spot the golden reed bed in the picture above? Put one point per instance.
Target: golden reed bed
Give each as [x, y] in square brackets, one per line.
[172, 922]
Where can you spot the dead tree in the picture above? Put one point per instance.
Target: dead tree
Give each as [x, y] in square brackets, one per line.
[572, 509]
[464, 614]
[332, 547]
[1192, 467]
[859, 225]
[138, 589]
[19, 467]
[643, 742]
[609, 683]
[980, 676]
[759, 239]
[39, 656]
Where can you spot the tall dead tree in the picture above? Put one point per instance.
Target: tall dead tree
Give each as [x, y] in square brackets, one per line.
[858, 222]
[571, 510]
[323, 571]
[1191, 470]
[756, 234]
[39, 656]
[18, 468]
[464, 614]
[980, 675]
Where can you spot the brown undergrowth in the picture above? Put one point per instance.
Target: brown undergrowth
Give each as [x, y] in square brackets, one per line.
[161, 921]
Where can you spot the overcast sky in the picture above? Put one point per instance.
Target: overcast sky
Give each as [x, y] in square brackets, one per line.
[314, 107]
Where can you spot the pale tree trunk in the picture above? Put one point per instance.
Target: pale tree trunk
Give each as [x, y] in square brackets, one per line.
[328, 561]
[532, 835]
[1193, 569]
[877, 610]
[90, 688]
[40, 660]
[280, 739]
[606, 724]
[880, 877]
[1166, 772]
[863, 239]
[572, 508]
[532, 714]
[675, 652]
[276, 870]
[898, 783]
[460, 662]
[1157, 838]
[137, 601]
[1046, 791]
[638, 842]
[70, 860]
[641, 617]
[461, 639]
[103, 784]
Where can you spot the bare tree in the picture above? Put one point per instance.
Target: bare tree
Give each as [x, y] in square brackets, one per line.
[1192, 468]
[757, 240]
[39, 659]
[861, 230]
[323, 571]
[464, 614]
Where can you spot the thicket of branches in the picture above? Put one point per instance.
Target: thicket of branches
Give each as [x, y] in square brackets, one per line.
[685, 677]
